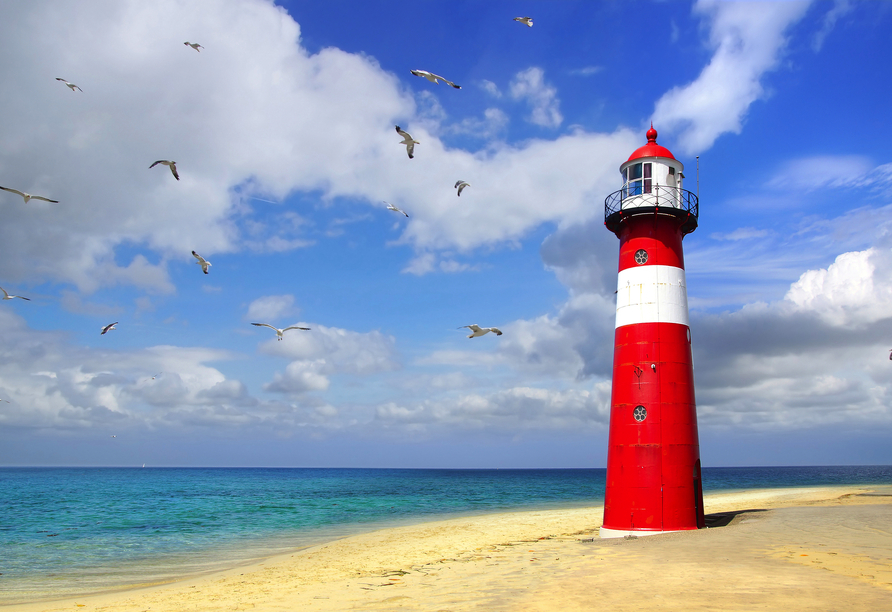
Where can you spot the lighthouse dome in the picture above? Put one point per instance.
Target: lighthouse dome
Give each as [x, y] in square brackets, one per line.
[651, 149]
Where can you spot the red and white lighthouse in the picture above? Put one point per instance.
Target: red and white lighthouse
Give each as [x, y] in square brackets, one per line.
[653, 457]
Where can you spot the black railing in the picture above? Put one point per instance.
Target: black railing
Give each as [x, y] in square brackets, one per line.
[671, 200]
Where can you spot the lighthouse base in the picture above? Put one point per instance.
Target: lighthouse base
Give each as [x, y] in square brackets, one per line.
[606, 533]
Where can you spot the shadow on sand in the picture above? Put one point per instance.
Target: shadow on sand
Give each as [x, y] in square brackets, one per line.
[723, 519]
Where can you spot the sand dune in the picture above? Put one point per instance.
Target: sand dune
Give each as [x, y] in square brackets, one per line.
[792, 549]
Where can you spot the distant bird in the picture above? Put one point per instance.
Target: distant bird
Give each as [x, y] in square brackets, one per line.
[170, 164]
[71, 86]
[204, 263]
[408, 141]
[279, 332]
[460, 185]
[157, 375]
[395, 209]
[108, 328]
[526, 20]
[195, 46]
[28, 196]
[114, 436]
[433, 78]
[6, 296]
[478, 331]
[890, 354]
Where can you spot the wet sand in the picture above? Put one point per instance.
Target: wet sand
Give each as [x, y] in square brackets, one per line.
[790, 549]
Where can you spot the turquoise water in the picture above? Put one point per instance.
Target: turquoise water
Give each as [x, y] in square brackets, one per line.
[69, 531]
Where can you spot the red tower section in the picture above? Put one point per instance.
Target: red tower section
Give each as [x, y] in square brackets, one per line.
[653, 457]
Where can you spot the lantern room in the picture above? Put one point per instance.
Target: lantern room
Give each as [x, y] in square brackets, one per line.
[653, 182]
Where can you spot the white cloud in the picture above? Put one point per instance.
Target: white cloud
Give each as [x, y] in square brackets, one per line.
[840, 8]
[269, 308]
[513, 410]
[586, 71]
[856, 289]
[530, 85]
[748, 41]
[819, 172]
[490, 88]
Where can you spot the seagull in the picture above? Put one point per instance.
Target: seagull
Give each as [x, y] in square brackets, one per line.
[28, 196]
[71, 86]
[195, 46]
[170, 164]
[6, 296]
[395, 209]
[279, 332]
[480, 331]
[204, 263]
[108, 328]
[461, 185]
[433, 78]
[526, 20]
[408, 141]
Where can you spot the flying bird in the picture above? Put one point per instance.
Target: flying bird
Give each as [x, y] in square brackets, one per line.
[204, 263]
[71, 86]
[526, 20]
[478, 331]
[6, 296]
[170, 164]
[408, 141]
[279, 332]
[195, 46]
[460, 185]
[433, 78]
[108, 328]
[28, 196]
[395, 209]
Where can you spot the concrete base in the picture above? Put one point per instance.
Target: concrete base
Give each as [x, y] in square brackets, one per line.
[606, 533]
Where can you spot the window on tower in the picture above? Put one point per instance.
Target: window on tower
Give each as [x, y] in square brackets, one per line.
[638, 179]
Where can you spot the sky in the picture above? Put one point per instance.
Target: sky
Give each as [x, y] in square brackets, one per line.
[282, 128]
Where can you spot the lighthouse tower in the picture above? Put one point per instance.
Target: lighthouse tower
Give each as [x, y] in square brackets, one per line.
[653, 457]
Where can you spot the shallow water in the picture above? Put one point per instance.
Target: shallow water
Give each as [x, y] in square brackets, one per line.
[79, 530]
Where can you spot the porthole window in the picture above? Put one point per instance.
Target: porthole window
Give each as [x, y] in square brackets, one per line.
[640, 413]
[640, 256]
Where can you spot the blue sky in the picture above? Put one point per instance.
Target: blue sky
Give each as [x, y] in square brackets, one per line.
[282, 130]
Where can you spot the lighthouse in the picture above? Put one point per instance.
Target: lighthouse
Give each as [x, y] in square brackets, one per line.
[653, 455]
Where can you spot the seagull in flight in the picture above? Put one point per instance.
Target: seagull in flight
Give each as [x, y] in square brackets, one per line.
[6, 296]
[279, 332]
[460, 185]
[28, 196]
[526, 20]
[395, 209]
[433, 78]
[71, 86]
[108, 328]
[170, 164]
[204, 263]
[477, 331]
[195, 46]
[408, 141]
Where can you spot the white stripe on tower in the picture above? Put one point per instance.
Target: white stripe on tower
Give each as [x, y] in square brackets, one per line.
[651, 294]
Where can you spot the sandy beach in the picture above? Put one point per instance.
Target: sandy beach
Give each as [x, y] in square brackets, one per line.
[790, 549]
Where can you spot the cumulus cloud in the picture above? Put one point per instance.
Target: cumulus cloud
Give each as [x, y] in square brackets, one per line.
[327, 351]
[747, 43]
[542, 98]
[512, 410]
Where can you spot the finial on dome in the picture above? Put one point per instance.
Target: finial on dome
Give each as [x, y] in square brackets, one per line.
[651, 133]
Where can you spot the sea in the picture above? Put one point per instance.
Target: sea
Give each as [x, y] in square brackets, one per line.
[75, 531]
